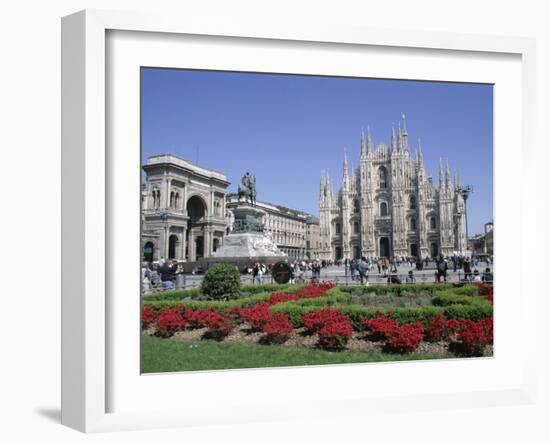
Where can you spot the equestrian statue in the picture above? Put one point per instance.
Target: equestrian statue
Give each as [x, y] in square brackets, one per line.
[247, 188]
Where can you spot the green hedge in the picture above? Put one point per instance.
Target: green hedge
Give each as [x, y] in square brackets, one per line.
[383, 289]
[246, 290]
[450, 304]
[197, 304]
[174, 295]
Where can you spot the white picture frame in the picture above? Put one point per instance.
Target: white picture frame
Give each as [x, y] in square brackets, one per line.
[87, 355]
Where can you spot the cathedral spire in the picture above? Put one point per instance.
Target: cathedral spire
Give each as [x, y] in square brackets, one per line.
[440, 172]
[346, 172]
[345, 162]
[363, 144]
[399, 137]
[393, 141]
[369, 140]
[404, 133]
[448, 175]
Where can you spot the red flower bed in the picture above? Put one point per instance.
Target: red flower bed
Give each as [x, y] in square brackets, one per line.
[399, 338]
[472, 337]
[197, 318]
[277, 298]
[148, 316]
[405, 339]
[381, 327]
[332, 326]
[277, 329]
[313, 290]
[440, 328]
[218, 325]
[256, 316]
[168, 322]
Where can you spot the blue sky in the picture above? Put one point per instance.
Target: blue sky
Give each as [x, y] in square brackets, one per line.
[286, 128]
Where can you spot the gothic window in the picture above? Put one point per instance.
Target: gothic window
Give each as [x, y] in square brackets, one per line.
[382, 177]
[383, 208]
[338, 228]
[412, 203]
[432, 222]
[355, 227]
[356, 206]
[413, 224]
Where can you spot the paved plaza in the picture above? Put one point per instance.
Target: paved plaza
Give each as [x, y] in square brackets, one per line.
[340, 276]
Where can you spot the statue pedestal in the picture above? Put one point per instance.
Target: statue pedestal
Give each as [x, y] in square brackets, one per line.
[247, 243]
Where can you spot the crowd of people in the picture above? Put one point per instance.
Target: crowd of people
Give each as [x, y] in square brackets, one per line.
[163, 275]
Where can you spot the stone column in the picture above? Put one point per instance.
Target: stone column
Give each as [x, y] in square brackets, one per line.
[185, 199]
[207, 242]
[183, 244]
[211, 210]
[148, 197]
[166, 244]
[191, 246]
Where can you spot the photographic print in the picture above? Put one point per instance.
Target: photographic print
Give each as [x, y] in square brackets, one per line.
[293, 220]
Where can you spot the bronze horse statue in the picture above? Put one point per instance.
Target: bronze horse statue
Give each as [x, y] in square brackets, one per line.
[247, 188]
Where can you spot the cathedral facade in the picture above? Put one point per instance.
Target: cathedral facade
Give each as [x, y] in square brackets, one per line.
[389, 206]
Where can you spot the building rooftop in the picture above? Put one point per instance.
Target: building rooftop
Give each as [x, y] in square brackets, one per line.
[232, 197]
[155, 160]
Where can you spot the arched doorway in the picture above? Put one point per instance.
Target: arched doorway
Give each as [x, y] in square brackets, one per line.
[215, 244]
[338, 253]
[414, 250]
[148, 251]
[385, 247]
[356, 252]
[172, 246]
[196, 210]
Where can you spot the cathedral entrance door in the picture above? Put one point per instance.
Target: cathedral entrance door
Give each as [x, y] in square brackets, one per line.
[385, 247]
[434, 250]
[414, 250]
[357, 252]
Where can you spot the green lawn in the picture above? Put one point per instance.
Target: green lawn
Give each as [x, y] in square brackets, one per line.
[161, 355]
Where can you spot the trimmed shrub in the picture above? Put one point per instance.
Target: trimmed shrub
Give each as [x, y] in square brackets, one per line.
[384, 289]
[221, 282]
[218, 305]
[174, 295]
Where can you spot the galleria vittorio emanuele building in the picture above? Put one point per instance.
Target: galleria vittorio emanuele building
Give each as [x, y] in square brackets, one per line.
[389, 206]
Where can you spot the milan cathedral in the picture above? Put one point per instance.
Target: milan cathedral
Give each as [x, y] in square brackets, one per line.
[389, 206]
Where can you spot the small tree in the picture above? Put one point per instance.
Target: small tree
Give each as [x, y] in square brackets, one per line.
[221, 282]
